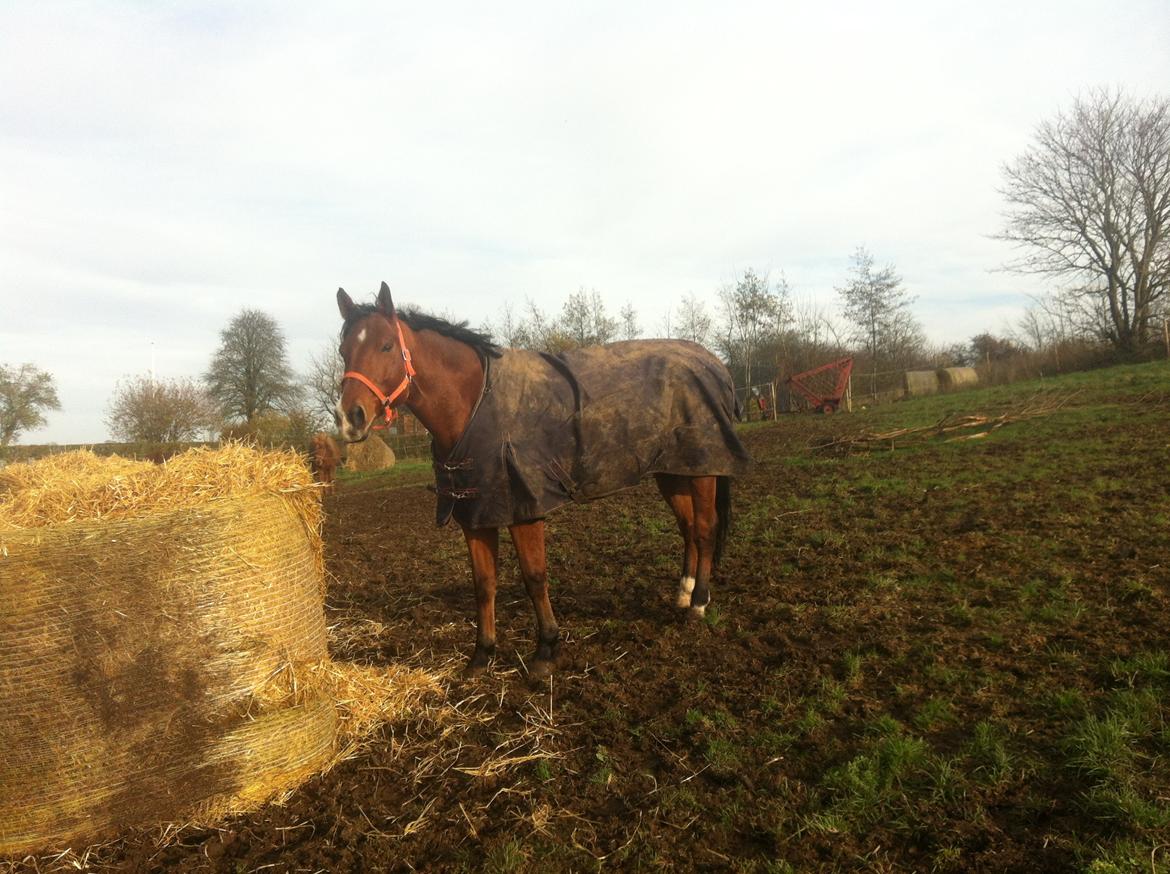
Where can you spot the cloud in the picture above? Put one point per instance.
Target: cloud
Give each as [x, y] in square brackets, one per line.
[169, 164]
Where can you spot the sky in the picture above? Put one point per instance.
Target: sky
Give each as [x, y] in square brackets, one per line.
[164, 165]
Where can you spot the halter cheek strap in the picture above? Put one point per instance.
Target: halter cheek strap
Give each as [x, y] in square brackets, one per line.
[387, 401]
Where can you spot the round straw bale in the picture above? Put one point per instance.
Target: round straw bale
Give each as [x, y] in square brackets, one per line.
[160, 629]
[951, 378]
[916, 383]
[371, 454]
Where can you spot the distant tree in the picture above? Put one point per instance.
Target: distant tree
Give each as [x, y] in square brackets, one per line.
[541, 332]
[1089, 202]
[323, 385]
[954, 355]
[160, 411]
[693, 323]
[26, 392]
[250, 374]
[812, 338]
[986, 348]
[292, 428]
[584, 320]
[878, 307]
[629, 329]
[512, 332]
[755, 311]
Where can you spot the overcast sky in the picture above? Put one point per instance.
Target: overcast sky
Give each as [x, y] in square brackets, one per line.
[163, 165]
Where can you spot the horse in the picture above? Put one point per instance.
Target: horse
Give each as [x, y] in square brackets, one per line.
[324, 457]
[517, 433]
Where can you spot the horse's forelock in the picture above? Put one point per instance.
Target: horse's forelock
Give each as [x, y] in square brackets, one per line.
[360, 312]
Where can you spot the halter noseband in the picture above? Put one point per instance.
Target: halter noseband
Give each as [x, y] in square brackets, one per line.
[388, 400]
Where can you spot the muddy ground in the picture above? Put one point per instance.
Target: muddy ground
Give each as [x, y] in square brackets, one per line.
[939, 656]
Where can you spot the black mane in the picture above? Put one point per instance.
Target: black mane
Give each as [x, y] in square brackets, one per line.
[417, 320]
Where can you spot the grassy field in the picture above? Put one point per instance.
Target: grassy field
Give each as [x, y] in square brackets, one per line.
[1020, 687]
[923, 654]
[946, 654]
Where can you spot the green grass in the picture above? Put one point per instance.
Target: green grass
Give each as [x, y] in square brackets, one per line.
[991, 761]
[876, 785]
[1029, 602]
[403, 473]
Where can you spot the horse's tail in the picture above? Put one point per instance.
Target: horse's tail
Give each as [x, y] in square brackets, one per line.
[723, 515]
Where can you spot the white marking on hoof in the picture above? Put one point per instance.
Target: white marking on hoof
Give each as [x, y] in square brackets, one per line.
[698, 612]
[686, 585]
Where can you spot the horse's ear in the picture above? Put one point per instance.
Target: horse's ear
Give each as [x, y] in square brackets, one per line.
[385, 302]
[345, 304]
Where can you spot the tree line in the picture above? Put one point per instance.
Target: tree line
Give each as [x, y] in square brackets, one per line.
[755, 322]
[1087, 205]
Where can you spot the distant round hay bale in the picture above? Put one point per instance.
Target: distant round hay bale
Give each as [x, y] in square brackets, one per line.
[951, 378]
[371, 454]
[917, 383]
[163, 643]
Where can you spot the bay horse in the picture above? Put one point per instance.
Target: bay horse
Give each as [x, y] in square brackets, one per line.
[517, 433]
[324, 457]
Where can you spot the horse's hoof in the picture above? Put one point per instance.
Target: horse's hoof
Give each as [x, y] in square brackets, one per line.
[474, 670]
[697, 614]
[540, 671]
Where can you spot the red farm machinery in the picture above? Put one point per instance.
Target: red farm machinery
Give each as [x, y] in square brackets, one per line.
[825, 388]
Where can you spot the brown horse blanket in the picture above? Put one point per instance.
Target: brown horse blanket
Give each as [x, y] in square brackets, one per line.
[549, 429]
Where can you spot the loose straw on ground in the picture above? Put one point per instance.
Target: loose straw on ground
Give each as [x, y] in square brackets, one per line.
[164, 642]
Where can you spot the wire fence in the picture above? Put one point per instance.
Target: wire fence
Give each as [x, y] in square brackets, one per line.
[416, 447]
[757, 402]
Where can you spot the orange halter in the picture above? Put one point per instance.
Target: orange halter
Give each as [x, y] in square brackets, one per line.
[388, 400]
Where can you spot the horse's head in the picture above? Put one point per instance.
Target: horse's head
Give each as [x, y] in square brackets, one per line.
[377, 367]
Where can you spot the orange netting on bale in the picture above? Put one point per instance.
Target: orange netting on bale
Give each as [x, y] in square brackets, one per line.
[163, 649]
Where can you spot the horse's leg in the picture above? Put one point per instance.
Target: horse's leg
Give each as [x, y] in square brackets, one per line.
[483, 547]
[706, 521]
[677, 492]
[528, 538]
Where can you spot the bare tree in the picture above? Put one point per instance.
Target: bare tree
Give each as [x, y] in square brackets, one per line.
[879, 308]
[250, 374]
[1032, 329]
[693, 322]
[812, 339]
[666, 326]
[26, 392]
[160, 411]
[1089, 202]
[755, 311]
[323, 384]
[1055, 319]
[512, 332]
[629, 329]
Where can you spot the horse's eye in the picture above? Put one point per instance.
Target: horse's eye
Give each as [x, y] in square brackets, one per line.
[387, 347]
